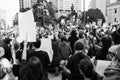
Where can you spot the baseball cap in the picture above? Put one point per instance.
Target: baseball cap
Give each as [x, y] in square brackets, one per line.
[113, 49]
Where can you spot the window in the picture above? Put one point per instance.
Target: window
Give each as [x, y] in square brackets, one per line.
[115, 10]
[34, 2]
[115, 19]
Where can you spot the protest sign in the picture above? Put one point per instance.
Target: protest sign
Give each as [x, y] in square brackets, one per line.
[46, 45]
[27, 26]
[101, 66]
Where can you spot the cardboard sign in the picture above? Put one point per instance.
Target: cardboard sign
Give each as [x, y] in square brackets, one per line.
[46, 45]
[27, 26]
[101, 66]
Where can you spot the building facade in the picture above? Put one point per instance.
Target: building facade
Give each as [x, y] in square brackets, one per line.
[113, 12]
[3, 19]
[26, 4]
[64, 6]
[3, 15]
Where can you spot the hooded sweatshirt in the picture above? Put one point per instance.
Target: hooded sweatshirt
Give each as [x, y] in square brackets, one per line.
[65, 50]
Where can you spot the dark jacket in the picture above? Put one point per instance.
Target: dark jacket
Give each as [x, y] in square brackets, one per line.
[72, 65]
[65, 50]
[7, 49]
[112, 73]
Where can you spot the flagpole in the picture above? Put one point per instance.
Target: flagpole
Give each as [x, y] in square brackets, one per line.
[84, 12]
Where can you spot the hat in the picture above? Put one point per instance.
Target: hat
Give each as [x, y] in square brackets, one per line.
[2, 51]
[118, 52]
[113, 49]
[79, 46]
[7, 40]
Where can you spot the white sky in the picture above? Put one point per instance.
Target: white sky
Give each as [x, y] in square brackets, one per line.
[112, 1]
[11, 7]
[86, 4]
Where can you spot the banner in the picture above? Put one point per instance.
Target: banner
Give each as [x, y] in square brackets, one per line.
[27, 26]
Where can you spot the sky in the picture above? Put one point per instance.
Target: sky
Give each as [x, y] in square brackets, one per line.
[10, 7]
[86, 4]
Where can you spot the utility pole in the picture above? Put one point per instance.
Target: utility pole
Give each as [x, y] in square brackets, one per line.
[84, 13]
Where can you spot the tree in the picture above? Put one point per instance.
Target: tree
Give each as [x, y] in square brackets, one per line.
[93, 15]
[40, 11]
[51, 9]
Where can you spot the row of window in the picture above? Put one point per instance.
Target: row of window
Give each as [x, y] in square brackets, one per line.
[66, 10]
[27, 3]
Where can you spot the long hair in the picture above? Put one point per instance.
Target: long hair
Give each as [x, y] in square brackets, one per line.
[32, 70]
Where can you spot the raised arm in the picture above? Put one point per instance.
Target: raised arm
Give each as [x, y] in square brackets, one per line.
[24, 53]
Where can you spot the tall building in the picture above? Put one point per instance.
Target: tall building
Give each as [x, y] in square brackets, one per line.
[64, 6]
[113, 12]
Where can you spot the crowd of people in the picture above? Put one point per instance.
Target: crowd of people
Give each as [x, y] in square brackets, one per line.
[76, 51]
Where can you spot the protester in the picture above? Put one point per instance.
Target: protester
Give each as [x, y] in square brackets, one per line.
[72, 39]
[42, 55]
[82, 39]
[6, 45]
[5, 67]
[116, 37]
[87, 70]
[64, 49]
[70, 52]
[31, 70]
[103, 52]
[72, 63]
[112, 72]
[54, 66]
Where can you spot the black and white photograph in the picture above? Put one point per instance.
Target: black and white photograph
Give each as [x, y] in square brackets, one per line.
[59, 39]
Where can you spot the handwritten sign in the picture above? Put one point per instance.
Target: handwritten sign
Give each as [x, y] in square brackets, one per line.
[101, 66]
